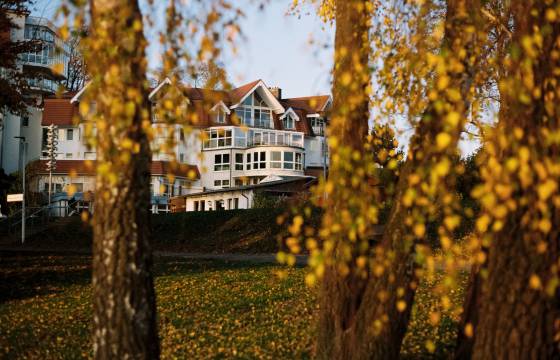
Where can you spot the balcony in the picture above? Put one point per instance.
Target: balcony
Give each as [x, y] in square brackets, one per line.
[231, 136]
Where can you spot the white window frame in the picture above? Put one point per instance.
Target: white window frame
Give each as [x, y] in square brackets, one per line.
[218, 138]
[220, 163]
[239, 165]
[276, 159]
[247, 113]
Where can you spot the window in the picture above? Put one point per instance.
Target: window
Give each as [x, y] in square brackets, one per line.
[238, 161]
[292, 161]
[243, 115]
[262, 118]
[221, 162]
[69, 134]
[259, 160]
[238, 182]
[217, 138]
[69, 155]
[221, 183]
[276, 159]
[56, 188]
[181, 158]
[254, 111]
[195, 205]
[181, 135]
[288, 160]
[288, 122]
[299, 163]
[248, 162]
[219, 205]
[25, 121]
[219, 117]
[78, 187]
[236, 203]
[318, 126]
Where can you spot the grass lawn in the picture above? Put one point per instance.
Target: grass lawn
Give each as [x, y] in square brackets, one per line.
[206, 309]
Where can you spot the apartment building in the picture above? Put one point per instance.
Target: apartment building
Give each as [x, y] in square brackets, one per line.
[43, 82]
[247, 138]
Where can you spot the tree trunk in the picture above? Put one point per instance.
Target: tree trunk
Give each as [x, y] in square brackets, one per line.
[519, 305]
[360, 316]
[123, 290]
[515, 320]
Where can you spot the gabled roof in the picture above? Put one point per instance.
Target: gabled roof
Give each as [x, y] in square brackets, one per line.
[202, 101]
[246, 90]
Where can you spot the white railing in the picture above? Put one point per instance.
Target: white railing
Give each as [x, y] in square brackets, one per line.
[229, 136]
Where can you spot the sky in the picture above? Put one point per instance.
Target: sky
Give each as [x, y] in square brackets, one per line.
[275, 47]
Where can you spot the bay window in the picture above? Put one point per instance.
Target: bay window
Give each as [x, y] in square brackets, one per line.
[276, 159]
[288, 160]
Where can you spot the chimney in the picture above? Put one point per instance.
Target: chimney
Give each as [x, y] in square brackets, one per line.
[276, 91]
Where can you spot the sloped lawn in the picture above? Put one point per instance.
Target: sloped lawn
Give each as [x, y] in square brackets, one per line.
[206, 309]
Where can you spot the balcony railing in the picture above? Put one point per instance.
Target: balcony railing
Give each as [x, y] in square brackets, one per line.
[225, 137]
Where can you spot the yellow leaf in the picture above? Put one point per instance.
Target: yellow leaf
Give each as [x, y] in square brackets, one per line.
[535, 282]
[453, 118]
[546, 189]
[419, 230]
[469, 331]
[443, 140]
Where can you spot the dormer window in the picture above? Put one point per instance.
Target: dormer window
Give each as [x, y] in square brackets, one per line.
[219, 113]
[289, 122]
[219, 117]
[289, 119]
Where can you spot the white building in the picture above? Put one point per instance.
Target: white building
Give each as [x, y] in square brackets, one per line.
[43, 82]
[243, 136]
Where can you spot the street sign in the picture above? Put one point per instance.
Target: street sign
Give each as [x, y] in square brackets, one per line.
[15, 197]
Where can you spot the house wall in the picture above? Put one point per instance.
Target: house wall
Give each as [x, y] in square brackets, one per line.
[245, 200]
[209, 177]
[314, 151]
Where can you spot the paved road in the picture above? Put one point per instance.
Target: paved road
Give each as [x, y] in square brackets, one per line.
[269, 258]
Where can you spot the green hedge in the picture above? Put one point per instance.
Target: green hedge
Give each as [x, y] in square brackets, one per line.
[250, 231]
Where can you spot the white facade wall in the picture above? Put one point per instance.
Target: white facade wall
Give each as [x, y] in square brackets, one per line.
[314, 151]
[227, 199]
[12, 125]
[241, 171]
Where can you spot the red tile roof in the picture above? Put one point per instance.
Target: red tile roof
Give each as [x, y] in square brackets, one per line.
[201, 101]
[312, 104]
[59, 112]
[87, 167]
[237, 94]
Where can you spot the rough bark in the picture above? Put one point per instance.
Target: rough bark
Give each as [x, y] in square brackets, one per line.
[123, 290]
[352, 306]
[514, 320]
